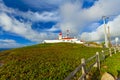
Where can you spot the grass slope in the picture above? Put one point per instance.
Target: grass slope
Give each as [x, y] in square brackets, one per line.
[43, 61]
[112, 65]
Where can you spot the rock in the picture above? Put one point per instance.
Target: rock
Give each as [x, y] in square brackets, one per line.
[105, 67]
[95, 65]
[118, 79]
[107, 76]
[1, 64]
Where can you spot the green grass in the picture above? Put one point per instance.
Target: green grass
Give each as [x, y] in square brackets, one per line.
[43, 61]
[112, 65]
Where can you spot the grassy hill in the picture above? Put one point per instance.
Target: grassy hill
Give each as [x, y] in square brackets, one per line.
[43, 61]
[112, 65]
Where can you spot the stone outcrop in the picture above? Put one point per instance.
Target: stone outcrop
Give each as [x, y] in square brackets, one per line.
[107, 76]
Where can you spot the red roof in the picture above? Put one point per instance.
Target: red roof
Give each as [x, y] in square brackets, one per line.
[68, 38]
[60, 33]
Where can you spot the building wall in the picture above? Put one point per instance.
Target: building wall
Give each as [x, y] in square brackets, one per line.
[63, 40]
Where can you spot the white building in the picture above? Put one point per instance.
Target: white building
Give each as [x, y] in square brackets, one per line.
[64, 39]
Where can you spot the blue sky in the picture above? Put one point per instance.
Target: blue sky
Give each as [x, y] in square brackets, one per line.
[28, 22]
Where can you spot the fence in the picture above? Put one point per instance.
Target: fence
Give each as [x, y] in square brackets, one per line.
[99, 56]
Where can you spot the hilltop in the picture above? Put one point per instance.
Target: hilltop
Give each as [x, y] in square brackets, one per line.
[43, 61]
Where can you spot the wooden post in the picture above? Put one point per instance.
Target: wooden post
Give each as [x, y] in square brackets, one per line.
[110, 51]
[115, 50]
[83, 68]
[98, 60]
[119, 49]
[103, 54]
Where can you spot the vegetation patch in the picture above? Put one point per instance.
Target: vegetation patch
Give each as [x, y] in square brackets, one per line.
[112, 65]
[43, 61]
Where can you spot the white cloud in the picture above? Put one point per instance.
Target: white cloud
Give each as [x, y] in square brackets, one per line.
[94, 35]
[36, 16]
[33, 16]
[9, 43]
[69, 14]
[99, 33]
[115, 27]
[76, 18]
[10, 24]
[4, 8]
[101, 8]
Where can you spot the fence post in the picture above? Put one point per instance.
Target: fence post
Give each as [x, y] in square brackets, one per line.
[110, 51]
[119, 49]
[115, 50]
[98, 60]
[83, 68]
[103, 54]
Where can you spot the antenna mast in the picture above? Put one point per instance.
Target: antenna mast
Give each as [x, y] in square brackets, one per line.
[67, 33]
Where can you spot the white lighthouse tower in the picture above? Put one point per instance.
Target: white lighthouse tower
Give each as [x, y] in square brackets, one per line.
[60, 35]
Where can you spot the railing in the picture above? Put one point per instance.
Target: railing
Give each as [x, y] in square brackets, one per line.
[85, 70]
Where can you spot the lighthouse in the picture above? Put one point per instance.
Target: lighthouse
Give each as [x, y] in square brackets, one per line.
[60, 35]
[61, 38]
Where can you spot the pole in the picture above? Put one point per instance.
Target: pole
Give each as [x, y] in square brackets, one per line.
[67, 33]
[110, 51]
[105, 32]
[98, 60]
[109, 40]
[83, 68]
[114, 50]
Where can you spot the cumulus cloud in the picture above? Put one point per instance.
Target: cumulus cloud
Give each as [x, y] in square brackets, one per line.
[43, 17]
[29, 15]
[9, 43]
[9, 23]
[4, 8]
[98, 34]
[76, 15]
[69, 13]
[78, 19]
[12, 25]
